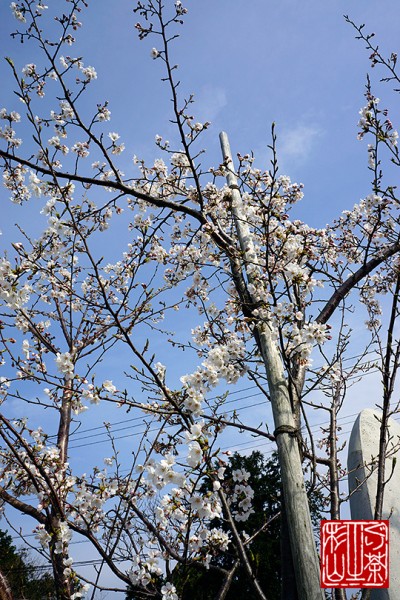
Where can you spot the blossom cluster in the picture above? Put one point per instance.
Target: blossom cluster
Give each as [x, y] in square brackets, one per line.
[13, 295]
[242, 495]
[224, 361]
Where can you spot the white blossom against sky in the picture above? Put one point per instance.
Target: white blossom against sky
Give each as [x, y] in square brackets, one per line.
[248, 63]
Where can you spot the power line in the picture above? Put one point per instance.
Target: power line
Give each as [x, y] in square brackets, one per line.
[244, 445]
[79, 432]
[132, 419]
[156, 428]
[230, 447]
[82, 563]
[169, 426]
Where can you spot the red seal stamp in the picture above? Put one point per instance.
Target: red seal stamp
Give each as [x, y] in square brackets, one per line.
[354, 554]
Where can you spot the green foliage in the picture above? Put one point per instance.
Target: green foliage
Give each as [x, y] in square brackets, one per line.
[25, 578]
[265, 551]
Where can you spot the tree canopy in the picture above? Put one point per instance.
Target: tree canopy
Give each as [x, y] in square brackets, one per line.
[143, 292]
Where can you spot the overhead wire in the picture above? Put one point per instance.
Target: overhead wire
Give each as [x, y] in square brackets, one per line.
[246, 445]
[110, 425]
[79, 432]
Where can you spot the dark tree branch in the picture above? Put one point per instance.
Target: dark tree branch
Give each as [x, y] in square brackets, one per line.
[353, 280]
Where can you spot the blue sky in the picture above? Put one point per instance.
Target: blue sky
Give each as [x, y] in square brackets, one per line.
[248, 64]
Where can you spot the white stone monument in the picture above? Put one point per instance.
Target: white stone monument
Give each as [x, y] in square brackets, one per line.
[362, 467]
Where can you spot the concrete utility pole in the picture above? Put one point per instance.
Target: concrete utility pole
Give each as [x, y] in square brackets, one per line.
[305, 557]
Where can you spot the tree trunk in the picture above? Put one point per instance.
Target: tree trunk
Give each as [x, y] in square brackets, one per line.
[62, 584]
[5, 591]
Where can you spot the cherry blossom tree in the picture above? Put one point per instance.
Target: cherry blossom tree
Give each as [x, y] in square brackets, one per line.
[219, 245]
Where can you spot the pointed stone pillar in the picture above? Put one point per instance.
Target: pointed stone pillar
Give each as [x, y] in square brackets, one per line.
[363, 451]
